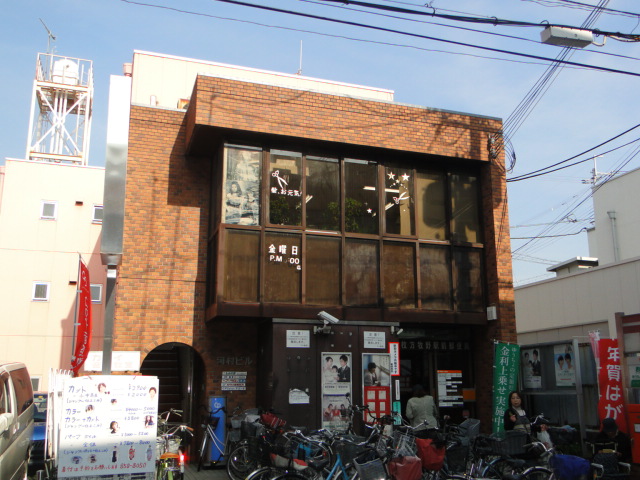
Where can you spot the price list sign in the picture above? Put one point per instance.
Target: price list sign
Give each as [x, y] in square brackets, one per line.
[108, 426]
[450, 388]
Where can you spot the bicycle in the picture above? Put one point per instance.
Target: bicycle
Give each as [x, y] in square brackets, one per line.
[209, 439]
[170, 462]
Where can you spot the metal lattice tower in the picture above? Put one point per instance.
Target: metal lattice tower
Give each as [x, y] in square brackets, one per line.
[61, 110]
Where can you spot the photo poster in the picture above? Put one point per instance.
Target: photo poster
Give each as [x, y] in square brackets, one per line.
[241, 198]
[564, 365]
[336, 388]
[531, 371]
[376, 383]
[108, 426]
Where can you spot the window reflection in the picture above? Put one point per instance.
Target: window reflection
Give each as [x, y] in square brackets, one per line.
[323, 193]
[399, 201]
[361, 202]
[322, 270]
[468, 280]
[398, 265]
[435, 277]
[283, 268]
[465, 212]
[285, 188]
[241, 265]
[361, 272]
[430, 205]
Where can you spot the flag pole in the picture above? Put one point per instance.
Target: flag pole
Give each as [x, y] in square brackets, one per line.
[75, 313]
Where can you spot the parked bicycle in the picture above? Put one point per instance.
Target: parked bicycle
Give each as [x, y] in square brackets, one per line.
[170, 461]
[222, 448]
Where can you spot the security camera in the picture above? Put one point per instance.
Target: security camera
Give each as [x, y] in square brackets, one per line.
[326, 318]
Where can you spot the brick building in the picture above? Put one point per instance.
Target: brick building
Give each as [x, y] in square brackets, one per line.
[254, 200]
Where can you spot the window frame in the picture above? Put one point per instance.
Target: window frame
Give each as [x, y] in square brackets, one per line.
[94, 219]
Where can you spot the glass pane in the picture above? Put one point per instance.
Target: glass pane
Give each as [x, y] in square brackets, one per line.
[323, 193]
[398, 201]
[322, 271]
[398, 267]
[285, 188]
[430, 206]
[435, 278]
[361, 272]
[242, 186]
[241, 261]
[282, 271]
[465, 212]
[361, 202]
[468, 280]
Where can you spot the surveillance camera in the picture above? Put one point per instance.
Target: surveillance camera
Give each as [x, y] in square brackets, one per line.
[326, 318]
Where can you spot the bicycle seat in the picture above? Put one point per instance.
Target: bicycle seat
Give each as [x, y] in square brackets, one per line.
[318, 463]
[516, 462]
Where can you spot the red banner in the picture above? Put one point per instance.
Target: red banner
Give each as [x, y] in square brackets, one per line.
[83, 336]
[611, 403]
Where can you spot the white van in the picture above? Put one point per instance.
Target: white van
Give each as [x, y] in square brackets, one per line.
[16, 420]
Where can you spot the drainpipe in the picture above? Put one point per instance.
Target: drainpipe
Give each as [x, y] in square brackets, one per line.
[614, 235]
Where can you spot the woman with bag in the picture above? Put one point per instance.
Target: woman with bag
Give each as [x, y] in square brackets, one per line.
[421, 407]
[515, 418]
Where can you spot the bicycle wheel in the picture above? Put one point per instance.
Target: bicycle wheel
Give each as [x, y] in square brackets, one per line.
[536, 473]
[240, 464]
[291, 476]
[203, 450]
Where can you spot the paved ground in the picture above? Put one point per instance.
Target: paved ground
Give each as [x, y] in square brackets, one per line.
[218, 473]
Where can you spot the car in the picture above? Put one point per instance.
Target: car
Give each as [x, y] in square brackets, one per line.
[16, 420]
[38, 446]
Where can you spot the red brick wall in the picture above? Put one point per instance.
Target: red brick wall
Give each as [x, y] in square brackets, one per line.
[160, 296]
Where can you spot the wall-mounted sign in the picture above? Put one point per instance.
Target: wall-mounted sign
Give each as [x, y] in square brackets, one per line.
[433, 345]
[394, 354]
[120, 362]
[450, 388]
[376, 381]
[336, 385]
[298, 397]
[234, 381]
[298, 339]
[374, 340]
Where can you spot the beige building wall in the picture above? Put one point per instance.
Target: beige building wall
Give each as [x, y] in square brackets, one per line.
[32, 249]
[164, 80]
[572, 305]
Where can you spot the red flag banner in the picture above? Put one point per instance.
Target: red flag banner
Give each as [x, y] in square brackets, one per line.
[611, 403]
[83, 337]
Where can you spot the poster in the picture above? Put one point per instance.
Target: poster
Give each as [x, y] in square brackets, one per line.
[376, 380]
[336, 389]
[450, 388]
[241, 198]
[505, 380]
[563, 365]
[108, 425]
[531, 368]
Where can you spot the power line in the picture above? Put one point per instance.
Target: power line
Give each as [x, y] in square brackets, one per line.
[584, 229]
[583, 6]
[388, 30]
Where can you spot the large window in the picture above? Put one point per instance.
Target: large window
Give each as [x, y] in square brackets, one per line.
[322, 197]
[285, 188]
[399, 201]
[242, 186]
[361, 206]
[319, 239]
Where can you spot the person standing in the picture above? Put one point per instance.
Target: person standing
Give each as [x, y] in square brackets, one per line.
[515, 417]
[421, 407]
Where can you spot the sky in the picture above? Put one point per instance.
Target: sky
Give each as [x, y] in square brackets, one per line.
[579, 109]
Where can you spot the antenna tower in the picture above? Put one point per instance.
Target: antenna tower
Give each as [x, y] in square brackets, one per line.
[61, 108]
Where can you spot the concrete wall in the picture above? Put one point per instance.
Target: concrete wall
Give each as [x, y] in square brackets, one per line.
[560, 308]
[32, 249]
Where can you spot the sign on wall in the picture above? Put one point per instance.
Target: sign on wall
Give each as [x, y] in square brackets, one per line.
[336, 386]
[108, 426]
[450, 388]
[376, 379]
[505, 380]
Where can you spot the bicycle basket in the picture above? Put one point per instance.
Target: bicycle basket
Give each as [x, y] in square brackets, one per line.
[405, 468]
[348, 451]
[236, 421]
[405, 445]
[173, 445]
[270, 420]
[456, 458]
[468, 430]
[371, 470]
[513, 443]
[432, 456]
[250, 429]
[569, 467]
